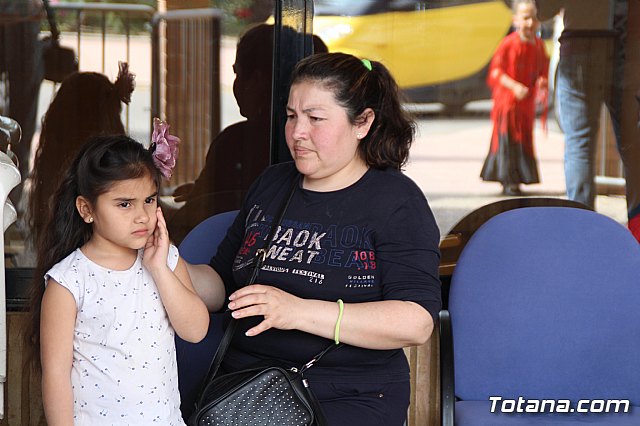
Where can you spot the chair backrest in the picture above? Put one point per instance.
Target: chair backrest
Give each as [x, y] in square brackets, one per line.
[456, 239]
[545, 303]
[193, 359]
[201, 243]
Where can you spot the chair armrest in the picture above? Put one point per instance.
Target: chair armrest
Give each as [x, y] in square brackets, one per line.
[447, 384]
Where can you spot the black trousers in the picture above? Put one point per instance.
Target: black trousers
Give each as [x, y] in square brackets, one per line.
[371, 404]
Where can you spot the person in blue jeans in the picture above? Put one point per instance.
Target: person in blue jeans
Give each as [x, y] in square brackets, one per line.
[590, 73]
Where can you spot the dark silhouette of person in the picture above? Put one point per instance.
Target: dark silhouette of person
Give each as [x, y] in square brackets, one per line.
[22, 69]
[239, 153]
[85, 105]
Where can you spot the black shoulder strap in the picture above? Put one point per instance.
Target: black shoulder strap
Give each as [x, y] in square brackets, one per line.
[261, 255]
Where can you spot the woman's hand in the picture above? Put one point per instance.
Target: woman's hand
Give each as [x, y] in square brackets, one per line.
[156, 249]
[279, 308]
[388, 324]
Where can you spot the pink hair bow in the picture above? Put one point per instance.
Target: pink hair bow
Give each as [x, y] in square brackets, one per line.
[164, 148]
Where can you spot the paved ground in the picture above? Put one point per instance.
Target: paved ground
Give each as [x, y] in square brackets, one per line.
[449, 152]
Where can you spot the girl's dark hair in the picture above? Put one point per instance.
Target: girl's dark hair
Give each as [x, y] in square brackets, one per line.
[357, 88]
[101, 162]
[85, 105]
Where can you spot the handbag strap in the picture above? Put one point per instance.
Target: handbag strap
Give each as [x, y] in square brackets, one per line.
[261, 255]
[51, 18]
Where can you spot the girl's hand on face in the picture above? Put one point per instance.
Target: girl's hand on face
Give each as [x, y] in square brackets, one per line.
[156, 249]
[279, 308]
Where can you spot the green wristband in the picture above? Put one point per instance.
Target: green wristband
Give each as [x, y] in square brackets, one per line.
[336, 334]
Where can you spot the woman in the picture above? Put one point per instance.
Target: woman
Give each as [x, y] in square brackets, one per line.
[356, 230]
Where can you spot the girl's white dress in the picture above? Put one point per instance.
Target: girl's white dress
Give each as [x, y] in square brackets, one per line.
[124, 359]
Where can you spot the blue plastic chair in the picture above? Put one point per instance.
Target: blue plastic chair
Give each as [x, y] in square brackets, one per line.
[544, 304]
[193, 359]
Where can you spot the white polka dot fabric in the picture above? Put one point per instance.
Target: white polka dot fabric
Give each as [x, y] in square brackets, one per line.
[124, 362]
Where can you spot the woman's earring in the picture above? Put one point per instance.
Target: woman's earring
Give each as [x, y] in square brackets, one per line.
[359, 135]
[91, 220]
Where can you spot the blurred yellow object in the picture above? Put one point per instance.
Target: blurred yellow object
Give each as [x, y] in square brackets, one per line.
[422, 47]
[437, 50]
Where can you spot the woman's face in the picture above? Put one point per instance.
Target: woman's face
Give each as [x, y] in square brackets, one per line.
[322, 141]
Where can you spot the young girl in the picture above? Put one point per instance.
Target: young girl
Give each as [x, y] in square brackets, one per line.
[115, 291]
[518, 70]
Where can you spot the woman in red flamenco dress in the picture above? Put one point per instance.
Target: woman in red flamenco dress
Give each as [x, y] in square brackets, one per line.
[518, 78]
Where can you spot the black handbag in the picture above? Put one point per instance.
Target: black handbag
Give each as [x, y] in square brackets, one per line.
[59, 61]
[266, 394]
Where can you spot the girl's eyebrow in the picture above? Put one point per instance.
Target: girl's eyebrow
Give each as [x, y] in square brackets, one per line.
[120, 199]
